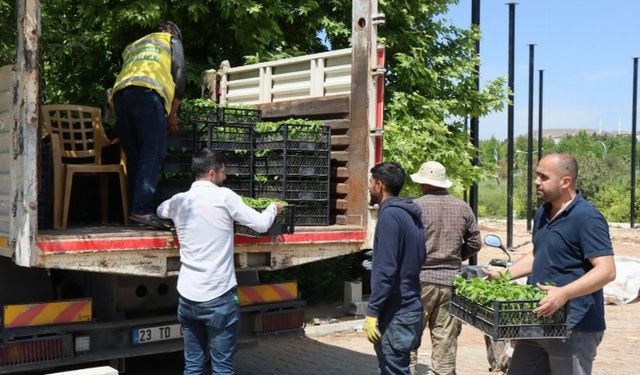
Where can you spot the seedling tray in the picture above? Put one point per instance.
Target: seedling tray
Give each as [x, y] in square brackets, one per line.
[223, 137]
[283, 224]
[312, 214]
[302, 164]
[239, 116]
[295, 190]
[295, 137]
[240, 185]
[509, 319]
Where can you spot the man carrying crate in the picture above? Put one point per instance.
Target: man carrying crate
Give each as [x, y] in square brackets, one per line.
[204, 217]
[572, 260]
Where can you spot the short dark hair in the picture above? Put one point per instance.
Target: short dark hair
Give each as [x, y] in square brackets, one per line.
[391, 175]
[171, 28]
[205, 160]
[567, 165]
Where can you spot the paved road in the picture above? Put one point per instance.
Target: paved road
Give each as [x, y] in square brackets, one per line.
[290, 354]
[298, 354]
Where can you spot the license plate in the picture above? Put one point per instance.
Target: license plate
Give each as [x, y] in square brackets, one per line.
[158, 333]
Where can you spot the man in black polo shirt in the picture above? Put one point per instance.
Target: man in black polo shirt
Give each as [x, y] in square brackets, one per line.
[572, 250]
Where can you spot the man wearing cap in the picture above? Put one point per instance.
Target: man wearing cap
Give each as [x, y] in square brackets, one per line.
[146, 97]
[452, 236]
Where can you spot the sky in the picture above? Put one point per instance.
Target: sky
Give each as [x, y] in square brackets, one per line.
[585, 47]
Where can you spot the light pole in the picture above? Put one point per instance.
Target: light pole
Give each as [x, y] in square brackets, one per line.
[510, 113]
[604, 153]
[530, 138]
[634, 112]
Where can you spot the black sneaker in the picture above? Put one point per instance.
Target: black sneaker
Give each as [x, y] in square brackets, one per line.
[152, 220]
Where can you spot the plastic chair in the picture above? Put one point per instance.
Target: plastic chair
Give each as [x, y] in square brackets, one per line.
[77, 139]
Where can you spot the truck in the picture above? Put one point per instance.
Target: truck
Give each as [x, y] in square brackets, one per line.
[106, 293]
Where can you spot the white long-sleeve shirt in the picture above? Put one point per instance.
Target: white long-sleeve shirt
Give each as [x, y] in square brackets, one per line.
[203, 217]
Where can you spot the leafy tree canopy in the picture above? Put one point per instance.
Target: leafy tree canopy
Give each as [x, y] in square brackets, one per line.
[430, 84]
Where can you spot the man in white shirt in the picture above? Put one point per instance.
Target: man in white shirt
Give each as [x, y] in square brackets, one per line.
[203, 218]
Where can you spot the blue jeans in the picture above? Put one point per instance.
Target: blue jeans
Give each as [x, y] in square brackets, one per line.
[142, 128]
[571, 356]
[400, 336]
[209, 325]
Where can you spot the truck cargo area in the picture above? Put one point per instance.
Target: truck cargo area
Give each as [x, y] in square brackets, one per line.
[147, 252]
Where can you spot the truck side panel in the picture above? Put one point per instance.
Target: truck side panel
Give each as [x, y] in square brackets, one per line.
[5, 159]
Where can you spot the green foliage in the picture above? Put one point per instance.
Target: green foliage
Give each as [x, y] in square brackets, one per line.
[432, 90]
[430, 85]
[7, 32]
[260, 203]
[502, 288]
[83, 40]
[603, 178]
[313, 126]
[492, 198]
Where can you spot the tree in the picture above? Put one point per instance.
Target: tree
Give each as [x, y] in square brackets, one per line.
[431, 89]
[430, 85]
[7, 32]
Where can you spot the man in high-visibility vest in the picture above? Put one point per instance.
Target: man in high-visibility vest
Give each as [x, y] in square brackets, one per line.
[146, 97]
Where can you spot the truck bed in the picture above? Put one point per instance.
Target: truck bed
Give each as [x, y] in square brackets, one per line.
[148, 252]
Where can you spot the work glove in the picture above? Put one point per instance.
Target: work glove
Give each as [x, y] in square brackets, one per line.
[371, 329]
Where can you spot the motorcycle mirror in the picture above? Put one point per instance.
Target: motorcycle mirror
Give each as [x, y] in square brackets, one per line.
[492, 240]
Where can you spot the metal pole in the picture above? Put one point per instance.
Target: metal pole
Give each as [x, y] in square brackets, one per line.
[475, 121]
[530, 139]
[512, 23]
[632, 214]
[540, 81]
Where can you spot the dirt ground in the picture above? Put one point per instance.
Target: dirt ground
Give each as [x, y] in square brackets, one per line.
[618, 354]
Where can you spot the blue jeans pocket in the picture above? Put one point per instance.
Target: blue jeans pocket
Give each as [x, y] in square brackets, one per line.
[405, 332]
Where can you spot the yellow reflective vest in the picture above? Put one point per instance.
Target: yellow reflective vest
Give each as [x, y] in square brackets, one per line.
[147, 63]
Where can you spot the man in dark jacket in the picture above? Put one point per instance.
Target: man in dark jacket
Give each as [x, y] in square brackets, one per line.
[394, 315]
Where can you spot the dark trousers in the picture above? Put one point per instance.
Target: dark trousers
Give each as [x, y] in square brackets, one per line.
[142, 128]
[400, 336]
[571, 356]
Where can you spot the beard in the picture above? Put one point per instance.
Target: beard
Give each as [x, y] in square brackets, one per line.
[374, 199]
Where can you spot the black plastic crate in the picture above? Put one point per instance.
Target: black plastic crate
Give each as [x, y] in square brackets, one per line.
[282, 224]
[294, 190]
[312, 215]
[181, 143]
[177, 164]
[45, 187]
[167, 188]
[239, 116]
[210, 114]
[240, 185]
[223, 137]
[293, 164]
[509, 319]
[295, 137]
[238, 164]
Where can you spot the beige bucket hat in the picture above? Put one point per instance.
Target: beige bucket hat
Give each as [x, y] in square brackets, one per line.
[432, 173]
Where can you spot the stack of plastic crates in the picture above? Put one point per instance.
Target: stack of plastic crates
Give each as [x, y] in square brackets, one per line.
[231, 133]
[175, 175]
[293, 163]
[45, 187]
